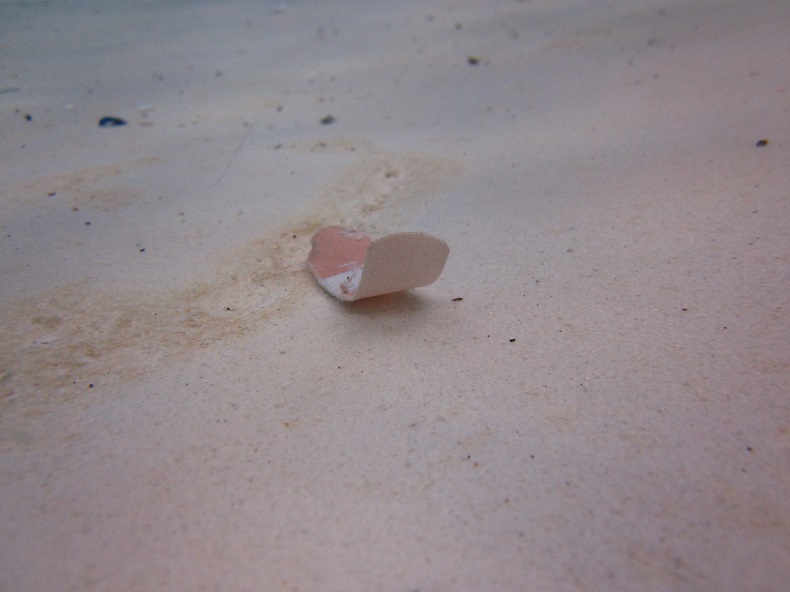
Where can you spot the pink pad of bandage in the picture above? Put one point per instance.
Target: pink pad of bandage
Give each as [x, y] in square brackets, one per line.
[350, 266]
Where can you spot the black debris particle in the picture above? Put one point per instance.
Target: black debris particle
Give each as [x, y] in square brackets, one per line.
[512, 340]
[457, 299]
[327, 119]
[473, 60]
[51, 194]
[28, 117]
[762, 142]
[111, 121]
[87, 223]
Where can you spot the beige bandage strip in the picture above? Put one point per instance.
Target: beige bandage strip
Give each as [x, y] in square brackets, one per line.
[350, 266]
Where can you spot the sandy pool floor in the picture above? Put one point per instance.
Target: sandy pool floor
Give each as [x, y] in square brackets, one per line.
[183, 408]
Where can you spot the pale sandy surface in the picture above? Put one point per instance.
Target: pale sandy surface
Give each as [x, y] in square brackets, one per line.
[607, 407]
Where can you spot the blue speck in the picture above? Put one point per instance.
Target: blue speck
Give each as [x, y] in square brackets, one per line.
[111, 122]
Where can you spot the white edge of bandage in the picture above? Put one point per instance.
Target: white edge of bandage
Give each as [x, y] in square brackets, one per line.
[343, 286]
